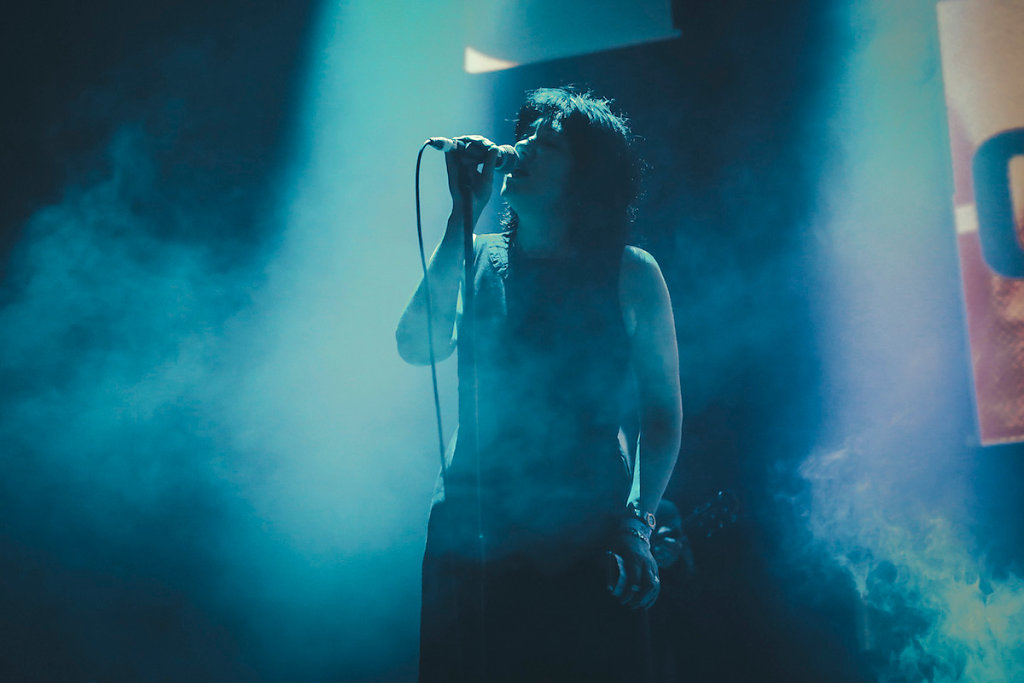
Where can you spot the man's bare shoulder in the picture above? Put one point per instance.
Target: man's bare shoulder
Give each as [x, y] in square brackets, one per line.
[640, 271]
[637, 257]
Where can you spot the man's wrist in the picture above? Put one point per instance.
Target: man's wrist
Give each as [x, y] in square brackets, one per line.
[637, 523]
[636, 529]
[646, 518]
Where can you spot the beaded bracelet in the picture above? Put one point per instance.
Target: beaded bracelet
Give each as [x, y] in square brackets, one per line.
[637, 527]
[639, 534]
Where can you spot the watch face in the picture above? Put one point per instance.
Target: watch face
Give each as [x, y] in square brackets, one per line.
[645, 517]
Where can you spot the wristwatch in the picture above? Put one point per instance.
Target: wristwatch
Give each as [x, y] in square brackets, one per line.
[645, 517]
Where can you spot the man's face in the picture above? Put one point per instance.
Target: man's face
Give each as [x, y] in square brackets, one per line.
[541, 179]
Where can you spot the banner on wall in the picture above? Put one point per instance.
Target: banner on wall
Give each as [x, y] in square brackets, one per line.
[982, 65]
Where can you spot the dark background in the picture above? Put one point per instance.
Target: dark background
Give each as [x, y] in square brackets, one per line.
[739, 122]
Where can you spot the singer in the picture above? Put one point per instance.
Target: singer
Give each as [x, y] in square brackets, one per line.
[568, 319]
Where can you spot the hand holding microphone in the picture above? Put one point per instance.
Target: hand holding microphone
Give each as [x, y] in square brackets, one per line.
[462, 155]
[474, 149]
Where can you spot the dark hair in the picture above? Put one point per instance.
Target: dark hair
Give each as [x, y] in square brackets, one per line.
[605, 179]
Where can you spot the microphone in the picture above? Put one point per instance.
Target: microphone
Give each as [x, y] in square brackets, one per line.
[505, 163]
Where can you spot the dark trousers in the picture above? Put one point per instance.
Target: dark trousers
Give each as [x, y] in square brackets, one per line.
[519, 621]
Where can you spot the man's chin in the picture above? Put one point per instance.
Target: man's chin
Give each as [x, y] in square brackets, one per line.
[509, 192]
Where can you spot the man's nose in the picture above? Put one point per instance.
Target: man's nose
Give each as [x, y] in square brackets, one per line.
[525, 146]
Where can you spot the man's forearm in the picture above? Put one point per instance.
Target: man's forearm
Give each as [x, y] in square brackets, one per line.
[444, 271]
[657, 453]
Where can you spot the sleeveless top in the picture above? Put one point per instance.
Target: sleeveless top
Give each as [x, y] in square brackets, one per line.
[552, 360]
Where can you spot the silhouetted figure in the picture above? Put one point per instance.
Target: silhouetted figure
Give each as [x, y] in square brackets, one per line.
[565, 312]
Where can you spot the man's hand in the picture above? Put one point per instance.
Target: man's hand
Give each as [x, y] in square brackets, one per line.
[481, 181]
[638, 585]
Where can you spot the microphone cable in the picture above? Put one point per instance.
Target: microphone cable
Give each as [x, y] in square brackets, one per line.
[481, 599]
[430, 316]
